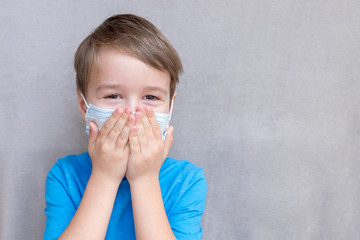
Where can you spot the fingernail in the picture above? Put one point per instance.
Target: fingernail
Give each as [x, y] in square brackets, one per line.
[118, 111]
[131, 118]
[127, 110]
[138, 114]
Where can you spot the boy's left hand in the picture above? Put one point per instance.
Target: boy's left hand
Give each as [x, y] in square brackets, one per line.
[147, 148]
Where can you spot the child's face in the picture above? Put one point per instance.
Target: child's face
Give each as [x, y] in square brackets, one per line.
[119, 80]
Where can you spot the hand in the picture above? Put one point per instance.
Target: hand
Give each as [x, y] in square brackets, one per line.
[147, 149]
[109, 149]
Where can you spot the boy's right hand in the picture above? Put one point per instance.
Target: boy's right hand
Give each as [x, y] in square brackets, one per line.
[109, 148]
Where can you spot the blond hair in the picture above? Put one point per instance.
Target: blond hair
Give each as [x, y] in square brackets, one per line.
[132, 35]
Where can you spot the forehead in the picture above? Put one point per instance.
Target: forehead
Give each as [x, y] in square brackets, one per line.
[113, 67]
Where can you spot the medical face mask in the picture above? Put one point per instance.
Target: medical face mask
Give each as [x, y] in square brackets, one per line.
[100, 115]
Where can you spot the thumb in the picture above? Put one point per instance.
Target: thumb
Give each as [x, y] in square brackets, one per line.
[94, 132]
[168, 140]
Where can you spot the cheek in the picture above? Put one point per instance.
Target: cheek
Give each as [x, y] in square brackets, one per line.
[113, 104]
[109, 103]
[159, 108]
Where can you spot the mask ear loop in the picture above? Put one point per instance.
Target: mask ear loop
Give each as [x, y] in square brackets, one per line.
[84, 100]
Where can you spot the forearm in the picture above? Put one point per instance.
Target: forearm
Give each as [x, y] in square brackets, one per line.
[92, 217]
[150, 217]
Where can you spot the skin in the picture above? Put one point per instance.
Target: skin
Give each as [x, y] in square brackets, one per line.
[127, 145]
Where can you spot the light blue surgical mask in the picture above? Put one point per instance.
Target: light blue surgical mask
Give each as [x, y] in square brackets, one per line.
[100, 115]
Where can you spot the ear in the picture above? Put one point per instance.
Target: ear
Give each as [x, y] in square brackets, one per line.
[173, 101]
[81, 105]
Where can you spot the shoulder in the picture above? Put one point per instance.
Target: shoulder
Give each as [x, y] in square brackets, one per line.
[180, 166]
[72, 161]
[70, 167]
[182, 169]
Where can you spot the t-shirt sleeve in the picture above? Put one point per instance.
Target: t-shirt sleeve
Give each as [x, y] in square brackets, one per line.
[59, 207]
[185, 219]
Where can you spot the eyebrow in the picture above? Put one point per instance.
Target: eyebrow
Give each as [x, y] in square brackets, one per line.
[117, 86]
[158, 89]
[104, 86]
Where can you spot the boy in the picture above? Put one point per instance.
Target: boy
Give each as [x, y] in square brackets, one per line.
[125, 186]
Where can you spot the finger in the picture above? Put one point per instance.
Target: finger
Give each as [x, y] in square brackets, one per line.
[127, 147]
[143, 139]
[94, 132]
[134, 141]
[119, 125]
[147, 126]
[127, 150]
[168, 140]
[153, 123]
[124, 135]
[110, 122]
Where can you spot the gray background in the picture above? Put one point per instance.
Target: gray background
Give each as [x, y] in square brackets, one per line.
[268, 106]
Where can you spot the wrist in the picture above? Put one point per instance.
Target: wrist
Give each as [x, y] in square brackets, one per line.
[103, 179]
[145, 181]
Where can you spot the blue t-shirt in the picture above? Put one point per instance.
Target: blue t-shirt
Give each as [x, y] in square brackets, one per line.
[183, 189]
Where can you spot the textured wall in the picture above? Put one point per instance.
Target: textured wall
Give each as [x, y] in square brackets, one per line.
[268, 106]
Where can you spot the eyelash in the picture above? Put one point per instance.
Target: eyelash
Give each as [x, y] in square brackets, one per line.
[112, 96]
[151, 97]
[147, 97]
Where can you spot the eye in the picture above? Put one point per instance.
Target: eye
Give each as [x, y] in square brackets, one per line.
[151, 97]
[114, 96]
